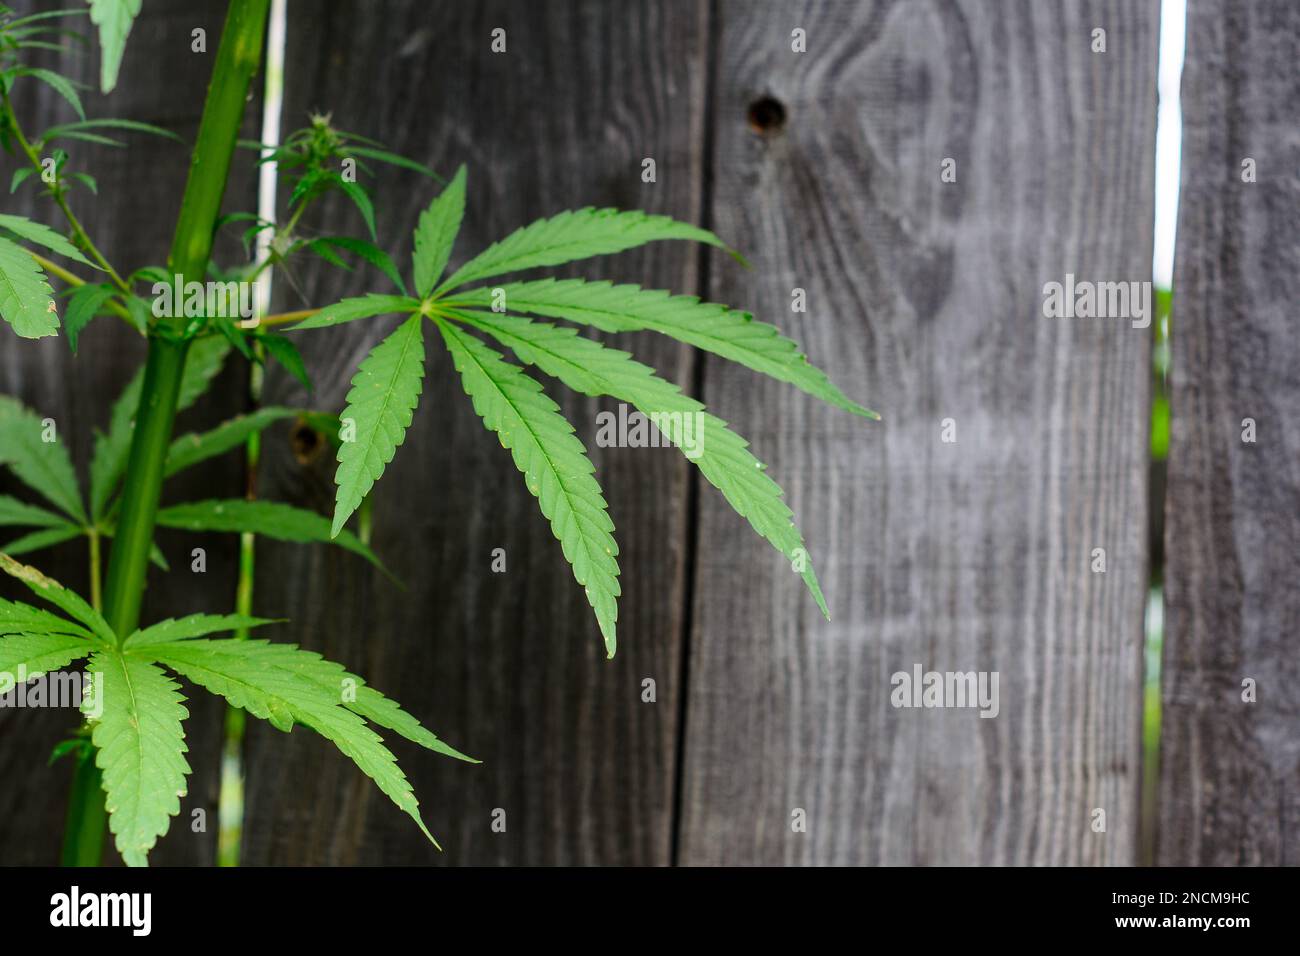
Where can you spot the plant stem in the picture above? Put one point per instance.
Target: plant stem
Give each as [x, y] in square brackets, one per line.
[83, 838]
[237, 59]
[86, 814]
[284, 318]
[142, 485]
[96, 593]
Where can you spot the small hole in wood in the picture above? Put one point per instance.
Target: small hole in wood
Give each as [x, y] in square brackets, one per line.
[766, 115]
[306, 443]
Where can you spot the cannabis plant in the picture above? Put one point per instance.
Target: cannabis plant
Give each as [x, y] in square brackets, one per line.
[131, 751]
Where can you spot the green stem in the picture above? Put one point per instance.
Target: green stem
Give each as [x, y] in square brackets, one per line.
[96, 593]
[83, 839]
[84, 844]
[237, 59]
[142, 486]
[365, 519]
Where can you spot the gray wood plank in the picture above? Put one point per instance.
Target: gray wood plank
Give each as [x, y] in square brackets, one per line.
[162, 82]
[508, 667]
[925, 301]
[1230, 769]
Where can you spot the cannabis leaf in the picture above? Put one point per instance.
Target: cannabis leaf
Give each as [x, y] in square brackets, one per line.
[512, 404]
[137, 731]
[113, 17]
[554, 463]
[383, 397]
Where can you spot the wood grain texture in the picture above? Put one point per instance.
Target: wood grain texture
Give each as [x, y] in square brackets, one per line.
[925, 302]
[1230, 770]
[162, 82]
[508, 667]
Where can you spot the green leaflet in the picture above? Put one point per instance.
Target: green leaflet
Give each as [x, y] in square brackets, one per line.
[723, 456]
[286, 353]
[368, 251]
[43, 466]
[140, 748]
[63, 598]
[45, 538]
[715, 328]
[361, 199]
[384, 156]
[26, 299]
[270, 519]
[268, 681]
[195, 625]
[113, 17]
[59, 84]
[109, 461]
[555, 466]
[15, 512]
[20, 176]
[19, 618]
[381, 402]
[575, 234]
[189, 450]
[362, 307]
[436, 232]
[369, 703]
[206, 358]
[83, 305]
[134, 126]
[341, 687]
[39, 654]
[43, 236]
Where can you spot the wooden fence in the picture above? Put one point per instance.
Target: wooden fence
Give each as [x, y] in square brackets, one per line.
[925, 301]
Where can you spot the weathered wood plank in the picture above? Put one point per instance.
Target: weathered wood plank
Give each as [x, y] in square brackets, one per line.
[507, 666]
[140, 187]
[925, 301]
[1230, 773]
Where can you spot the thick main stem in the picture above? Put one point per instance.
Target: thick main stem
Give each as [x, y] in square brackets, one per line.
[237, 60]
